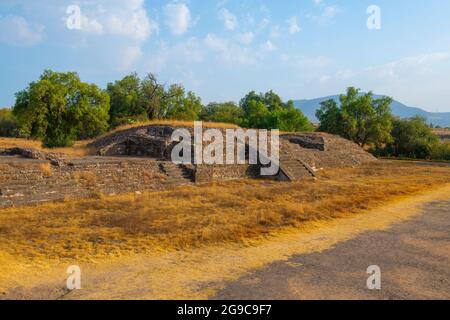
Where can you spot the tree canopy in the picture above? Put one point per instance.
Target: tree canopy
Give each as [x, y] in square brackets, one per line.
[268, 111]
[227, 112]
[359, 118]
[8, 123]
[412, 138]
[134, 99]
[60, 108]
[126, 100]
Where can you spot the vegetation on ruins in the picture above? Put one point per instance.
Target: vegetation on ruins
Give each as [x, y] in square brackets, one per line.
[227, 112]
[359, 118]
[268, 111]
[134, 99]
[8, 123]
[369, 122]
[59, 108]
[186, 217]
[413, 138]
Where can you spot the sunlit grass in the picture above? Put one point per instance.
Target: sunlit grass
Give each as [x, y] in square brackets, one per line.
[201, 215]
[79, 149]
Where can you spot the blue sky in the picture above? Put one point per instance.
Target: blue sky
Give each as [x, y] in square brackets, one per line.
[223, 49]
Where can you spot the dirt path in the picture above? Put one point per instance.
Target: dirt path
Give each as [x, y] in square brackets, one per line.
[414, 257]
[273, 268]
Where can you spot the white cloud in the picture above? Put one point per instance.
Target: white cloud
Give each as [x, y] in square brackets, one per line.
[182, 54]
[229, 19]
[246, 38]
[275, 31]
[294, 26]
[269, 46]
[327, 14]
[317, 2]
[216, 43]
[136, 25]
[16, 31]
[400, 69]
[420, 80]
[124, 26]
[178, 18]
[120, 17]
[91, 25]
[228, 51]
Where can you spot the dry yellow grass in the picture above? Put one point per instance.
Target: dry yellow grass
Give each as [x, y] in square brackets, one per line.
[174, 123]
[232, 212]
[46, 169]
[79, 148]
[87, 178]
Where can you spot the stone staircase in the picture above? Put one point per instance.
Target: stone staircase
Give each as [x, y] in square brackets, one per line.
[292, 165]
[296, 169]
[177, 174]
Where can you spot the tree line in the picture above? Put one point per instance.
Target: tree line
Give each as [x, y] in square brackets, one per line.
[370, 123]
[59, 108]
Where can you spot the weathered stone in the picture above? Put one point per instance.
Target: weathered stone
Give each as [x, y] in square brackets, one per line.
[26, 179]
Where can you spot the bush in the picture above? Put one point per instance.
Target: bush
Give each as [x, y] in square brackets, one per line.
[8, 124]
[441, 151]
[412, 138]
[227, 112]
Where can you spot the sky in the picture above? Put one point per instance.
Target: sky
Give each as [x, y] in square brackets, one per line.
[223, 49]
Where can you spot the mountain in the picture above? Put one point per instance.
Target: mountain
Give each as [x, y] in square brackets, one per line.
[309, 107]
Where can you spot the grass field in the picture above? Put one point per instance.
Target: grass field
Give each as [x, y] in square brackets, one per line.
[187, 217]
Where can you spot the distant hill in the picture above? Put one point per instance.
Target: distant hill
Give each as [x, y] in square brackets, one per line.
[399, 109]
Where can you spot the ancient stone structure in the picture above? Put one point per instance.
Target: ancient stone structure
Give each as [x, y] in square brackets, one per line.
[443, 134]
[138, 159]
[301, 154]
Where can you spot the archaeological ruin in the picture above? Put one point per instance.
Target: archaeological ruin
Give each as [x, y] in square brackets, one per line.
[139, 159]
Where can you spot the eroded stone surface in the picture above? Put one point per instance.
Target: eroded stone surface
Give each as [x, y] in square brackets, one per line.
[138, 159]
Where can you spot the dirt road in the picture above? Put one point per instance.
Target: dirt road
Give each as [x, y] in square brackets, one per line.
[414, 257]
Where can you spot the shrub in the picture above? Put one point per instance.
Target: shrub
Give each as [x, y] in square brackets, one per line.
[227, 112]
[8, 124]
[412, 138]
[441, 151]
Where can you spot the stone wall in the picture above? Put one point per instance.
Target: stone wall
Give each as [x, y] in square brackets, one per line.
[211, 173]
[27, 181]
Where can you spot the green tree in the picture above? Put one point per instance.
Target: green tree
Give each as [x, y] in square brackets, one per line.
[227, 112]
[126, 99]
[134, 99]
[290, 120]
[8, 123]
[268, 111]
[360, 117]
[330, 117]
[60, 108]
[412, 138]
[441, 151]
[181, 106]
[256, 115]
